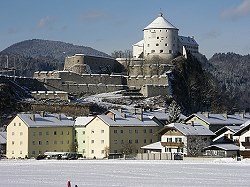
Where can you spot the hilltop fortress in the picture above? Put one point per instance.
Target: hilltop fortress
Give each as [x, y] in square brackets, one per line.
[147, 71]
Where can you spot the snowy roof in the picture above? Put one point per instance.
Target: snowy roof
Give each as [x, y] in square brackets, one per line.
[154, 146]
[48, 120]
[244, 128]
[187, 129]
[232, 128]
[221, 119]
[140, 43]
[82, 121]
[126, 119]
[3, 137]
[187, 40]
[160, 23]
[161, 114]
[226, 147]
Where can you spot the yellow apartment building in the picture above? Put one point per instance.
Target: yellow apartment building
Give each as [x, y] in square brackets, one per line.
[119, 133]
[29, 135]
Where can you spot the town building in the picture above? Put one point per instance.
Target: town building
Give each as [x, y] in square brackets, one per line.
[242, 138]
[215, 122]
[53, 95]
[3, 137]
[119, 133]
[188, 139]
[29, 135]
[80, 133]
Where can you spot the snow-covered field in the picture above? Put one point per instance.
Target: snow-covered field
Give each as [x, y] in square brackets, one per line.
[39, 173]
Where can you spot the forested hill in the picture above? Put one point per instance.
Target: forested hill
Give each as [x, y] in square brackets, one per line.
[232, 72]
[36, 55]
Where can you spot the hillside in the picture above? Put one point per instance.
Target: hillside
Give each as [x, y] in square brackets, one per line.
[232, 72]
[36, 55]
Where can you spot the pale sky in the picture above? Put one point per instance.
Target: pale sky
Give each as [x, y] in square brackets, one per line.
[108, 25]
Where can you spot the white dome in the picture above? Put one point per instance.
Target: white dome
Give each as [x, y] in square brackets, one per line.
[160, 23]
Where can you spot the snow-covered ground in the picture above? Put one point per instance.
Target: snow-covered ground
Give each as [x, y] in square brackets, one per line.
[39, 173]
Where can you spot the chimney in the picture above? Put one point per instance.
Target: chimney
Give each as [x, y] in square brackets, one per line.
[242, 115]
[206, 114]
[225, 115]
[135, 111]
[113, 117]
[140, 115]
[123, 115]
[32, 117]
[42, 113]
[192, 123]
[120, 110]
[59, 117]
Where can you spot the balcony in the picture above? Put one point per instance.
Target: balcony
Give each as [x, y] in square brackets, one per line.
[172, 144]
[245, 144]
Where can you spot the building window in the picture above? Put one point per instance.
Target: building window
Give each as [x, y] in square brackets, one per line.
[83, 141]
[92, 151]
[136, 131]
[14, 124]
[92, 131]
[12, 152]
[39, 142]
[102, 131]
[151, 141]
[130, 141]
[21, 143]
[161, 51]
[62, 142]
[145, 141]
[47, 142]
[102, 141]
[83, 132]
[145, 130]
[115, 141]
[115, 131]
[148, 45]
[54, 132]
[169, 139]
[157, 37]
[67, 141]
[136, 141]
[62, 133]
[157, 44]
[247, 139]
[13, 142]
[13, 133]
[121, 131]
[40, 133]
[170, 51]
[47, 133]
[19, 124]
[33, 152]
[102, 151]
[92, 141]
[130, 131]
[67, 132]
[55, 142]
[178, 140]
[21, 152]
[152, 51]
[150, 130]
[122, 142]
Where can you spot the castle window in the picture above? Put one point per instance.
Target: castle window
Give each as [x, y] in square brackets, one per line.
[161, 51]
[157, 37]
[166, 44]
[157, 44]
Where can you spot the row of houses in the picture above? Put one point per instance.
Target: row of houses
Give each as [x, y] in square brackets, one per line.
[128, 133]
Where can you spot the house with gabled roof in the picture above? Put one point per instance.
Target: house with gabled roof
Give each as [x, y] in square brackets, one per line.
[3, 137]
[189, 139]
[225, 134]
[216, 121]
[118, 133]
[242, 137]
[29, 135]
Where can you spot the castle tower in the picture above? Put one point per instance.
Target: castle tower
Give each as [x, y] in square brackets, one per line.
[160, 39]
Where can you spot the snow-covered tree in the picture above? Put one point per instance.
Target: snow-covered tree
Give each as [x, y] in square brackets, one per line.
[174, 112]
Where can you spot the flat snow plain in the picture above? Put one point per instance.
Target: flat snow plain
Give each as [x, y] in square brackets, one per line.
[106, 173]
